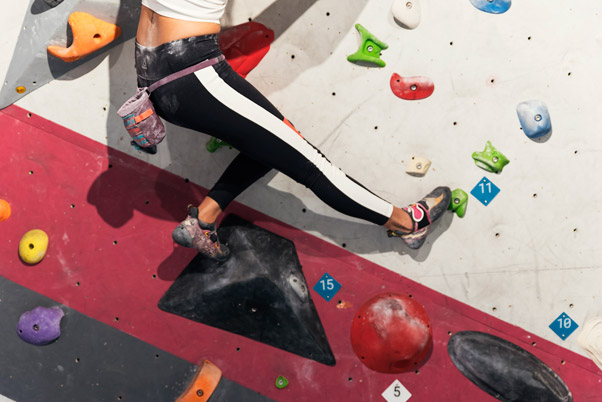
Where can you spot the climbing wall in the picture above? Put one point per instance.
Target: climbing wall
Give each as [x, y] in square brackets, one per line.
[529, 257]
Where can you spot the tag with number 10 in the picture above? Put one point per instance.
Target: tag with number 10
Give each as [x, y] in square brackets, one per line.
[327, 287]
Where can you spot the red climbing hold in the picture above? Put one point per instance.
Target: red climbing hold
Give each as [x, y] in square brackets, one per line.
[391, 333]
[245, 45]
[412, 88]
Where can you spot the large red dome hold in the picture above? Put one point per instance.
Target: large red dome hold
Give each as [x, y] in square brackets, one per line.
[391, 333]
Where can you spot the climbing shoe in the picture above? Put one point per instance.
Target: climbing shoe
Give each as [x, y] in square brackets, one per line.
[423, 213]
[193, 233]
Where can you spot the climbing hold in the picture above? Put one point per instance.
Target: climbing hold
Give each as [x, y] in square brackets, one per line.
[203, 384]
[534, 118]
[269, 302]
[4, 210]
[505, 370]
[53, 3]
[369, 50]
[418, 166]
[492, 6]
[20, 89]
[459, 202]
[89, 35]
[391, 333]
[281, 382]
[33, 246]
[411, 88]
[490, 159]
[245, 45]
[40, 326]
[215, 143]
[406, 13]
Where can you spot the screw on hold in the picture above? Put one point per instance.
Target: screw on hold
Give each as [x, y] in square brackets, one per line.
[409, 4]
[413, 87]
[370, 49]
[281, 382]
[200, 392]
[537, 117]
[214, 144]
[459, 202]
[419, 165]
[490, 159]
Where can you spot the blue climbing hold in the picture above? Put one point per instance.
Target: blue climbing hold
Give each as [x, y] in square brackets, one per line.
[534, 118]
[492, 6]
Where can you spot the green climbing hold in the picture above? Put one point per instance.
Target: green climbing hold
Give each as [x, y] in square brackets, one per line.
[490, 159]
[281, 382]
[370, 48]
[215, 143]
[459, 202]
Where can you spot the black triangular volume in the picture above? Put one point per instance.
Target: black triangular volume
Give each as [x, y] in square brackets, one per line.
[259, 292]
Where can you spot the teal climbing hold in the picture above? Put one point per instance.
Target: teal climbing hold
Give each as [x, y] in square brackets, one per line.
[281, 382]
[215, 143]
[459, 202]
[369, 50]
[490, 159]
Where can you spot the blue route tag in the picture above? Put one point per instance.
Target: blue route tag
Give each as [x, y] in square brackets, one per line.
[563, 326]
[327, 287]
[485, 191]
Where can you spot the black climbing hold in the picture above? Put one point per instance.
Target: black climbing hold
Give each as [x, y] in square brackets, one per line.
[505, 370]
[53, 3]
[259, 292]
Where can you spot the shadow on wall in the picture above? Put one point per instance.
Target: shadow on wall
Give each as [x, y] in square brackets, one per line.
[183, 153]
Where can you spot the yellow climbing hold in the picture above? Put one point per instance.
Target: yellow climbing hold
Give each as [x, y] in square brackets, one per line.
[33, 246]
[20, 90]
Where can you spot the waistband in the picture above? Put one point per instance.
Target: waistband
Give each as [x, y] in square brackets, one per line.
[154, 63]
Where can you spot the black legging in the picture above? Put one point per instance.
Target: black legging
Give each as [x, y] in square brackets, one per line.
[219, 102]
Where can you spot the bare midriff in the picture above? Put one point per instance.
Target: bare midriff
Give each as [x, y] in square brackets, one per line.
[155, 29]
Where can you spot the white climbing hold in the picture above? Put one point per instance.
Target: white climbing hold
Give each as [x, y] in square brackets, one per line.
[418, 166]
[407, 13]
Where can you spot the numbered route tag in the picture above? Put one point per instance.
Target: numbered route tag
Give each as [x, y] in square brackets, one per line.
[396, 393]
[563, 326]
[327, 287]
[485, 191]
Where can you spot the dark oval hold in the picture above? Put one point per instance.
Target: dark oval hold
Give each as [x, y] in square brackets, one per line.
[505, 370]
[53, 3]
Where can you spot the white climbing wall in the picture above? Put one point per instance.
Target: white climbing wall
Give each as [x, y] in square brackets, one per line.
[530, 255]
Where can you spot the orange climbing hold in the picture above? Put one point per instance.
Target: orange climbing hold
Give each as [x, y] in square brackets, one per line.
[89, 35]
[203, 384]
[4, 210]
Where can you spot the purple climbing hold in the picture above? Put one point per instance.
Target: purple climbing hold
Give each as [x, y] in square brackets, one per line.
[40, 326]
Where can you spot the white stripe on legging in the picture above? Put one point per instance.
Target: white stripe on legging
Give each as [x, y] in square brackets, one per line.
[235, 101]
